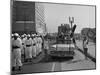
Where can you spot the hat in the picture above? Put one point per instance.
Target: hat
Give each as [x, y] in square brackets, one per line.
[32, 35]
[22, 36]
[16, 34]
[12, 35]
[37, 35]
[28, 35]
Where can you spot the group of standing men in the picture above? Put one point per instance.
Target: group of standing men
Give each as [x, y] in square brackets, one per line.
[28, 45]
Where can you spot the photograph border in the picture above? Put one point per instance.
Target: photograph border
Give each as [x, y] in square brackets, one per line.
[59, 4]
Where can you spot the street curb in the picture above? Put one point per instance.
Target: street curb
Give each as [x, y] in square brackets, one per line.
[88, 55]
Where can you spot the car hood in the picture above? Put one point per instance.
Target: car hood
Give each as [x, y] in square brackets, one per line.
[62, 47]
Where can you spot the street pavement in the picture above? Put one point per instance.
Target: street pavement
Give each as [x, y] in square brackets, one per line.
[78, 63]
[91, 48]
[51, 65]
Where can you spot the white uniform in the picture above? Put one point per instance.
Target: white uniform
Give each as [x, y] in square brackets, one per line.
[85, 45]
[39, 44]
[16, 52]
[23, 45]
[37, 50]
[34, 47]
[46, 45]
[28, 48]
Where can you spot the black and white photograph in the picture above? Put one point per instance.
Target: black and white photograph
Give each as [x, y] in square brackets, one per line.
[52, 37]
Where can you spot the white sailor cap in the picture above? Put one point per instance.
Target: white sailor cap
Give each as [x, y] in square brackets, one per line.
[12, 35]
[32, 35]
[16, 34]
[22, 36]
[36, 35]
[28, 35]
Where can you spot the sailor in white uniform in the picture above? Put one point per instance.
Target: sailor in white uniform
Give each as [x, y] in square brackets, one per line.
[28, 48]
[16, 52]
[12, 36]
[33, 46]
[39, 44]
[23, 46]
[85, 46]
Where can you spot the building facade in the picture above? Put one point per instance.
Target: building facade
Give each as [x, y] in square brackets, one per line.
[40, 18]
[27, 17]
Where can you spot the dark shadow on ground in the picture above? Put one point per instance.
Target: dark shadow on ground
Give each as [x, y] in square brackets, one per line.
[48, 59]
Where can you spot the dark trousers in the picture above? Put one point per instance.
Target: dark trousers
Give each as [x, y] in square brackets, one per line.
[45, 51]
[85, 52]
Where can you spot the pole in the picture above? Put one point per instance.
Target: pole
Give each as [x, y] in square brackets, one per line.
[71, 21]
